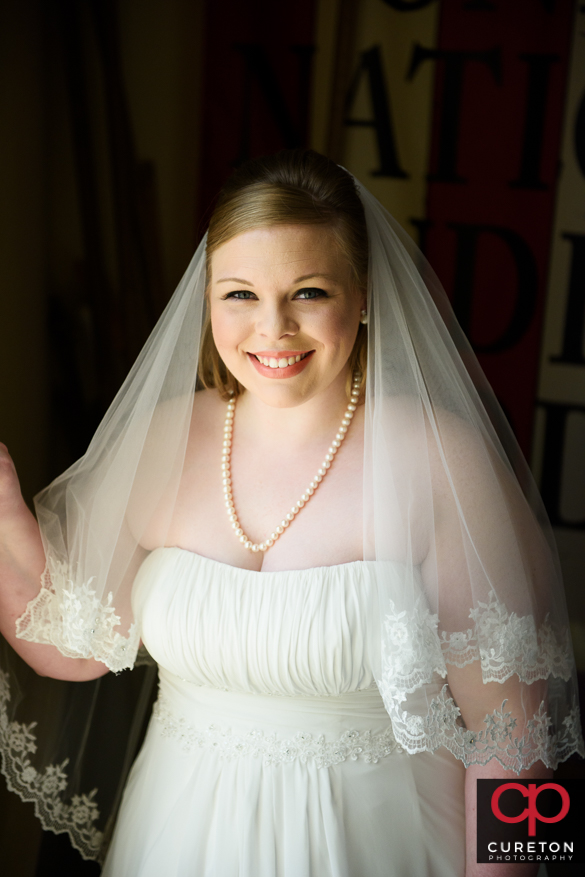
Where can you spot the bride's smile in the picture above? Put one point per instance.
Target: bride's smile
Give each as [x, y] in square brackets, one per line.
[279, 363]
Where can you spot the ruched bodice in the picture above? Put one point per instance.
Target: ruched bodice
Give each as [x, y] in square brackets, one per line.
[270, 752]
[300, 633]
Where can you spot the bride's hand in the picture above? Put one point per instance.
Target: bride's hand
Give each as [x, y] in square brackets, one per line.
[21, 552]
[22, 560]
[10, 495]
[19, 532]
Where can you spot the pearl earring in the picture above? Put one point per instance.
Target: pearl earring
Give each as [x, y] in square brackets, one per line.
[363, 317]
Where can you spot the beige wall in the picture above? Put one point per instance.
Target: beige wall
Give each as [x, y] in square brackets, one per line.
[410, 102]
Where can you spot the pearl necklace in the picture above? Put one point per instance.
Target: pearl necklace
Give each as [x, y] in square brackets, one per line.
[306, 496]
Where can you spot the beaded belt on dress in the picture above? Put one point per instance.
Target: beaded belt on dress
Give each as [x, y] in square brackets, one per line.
[305, 747]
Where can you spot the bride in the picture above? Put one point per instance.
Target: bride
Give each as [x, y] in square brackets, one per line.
[299, 505]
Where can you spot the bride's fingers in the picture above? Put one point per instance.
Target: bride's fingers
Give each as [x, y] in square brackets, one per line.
[9, 483]
[6, 462]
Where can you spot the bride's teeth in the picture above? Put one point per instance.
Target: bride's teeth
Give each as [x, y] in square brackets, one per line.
[284, 362]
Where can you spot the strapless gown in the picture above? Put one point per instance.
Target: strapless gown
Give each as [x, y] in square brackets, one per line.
[269, 752]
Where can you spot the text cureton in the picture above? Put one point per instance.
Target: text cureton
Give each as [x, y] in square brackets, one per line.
[531, 846]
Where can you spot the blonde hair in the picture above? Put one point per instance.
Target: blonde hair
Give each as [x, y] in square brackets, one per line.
[293, 187]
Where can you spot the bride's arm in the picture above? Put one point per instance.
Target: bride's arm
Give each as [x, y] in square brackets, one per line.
[476, 700]
[500, 527]
[22, 561]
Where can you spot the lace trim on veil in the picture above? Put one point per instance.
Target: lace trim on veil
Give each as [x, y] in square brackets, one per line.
[44, 788]
[505, 644]
[508, 644]
[72, 617]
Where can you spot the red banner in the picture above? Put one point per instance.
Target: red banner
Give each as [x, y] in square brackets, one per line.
[500, 79]
[256, 84]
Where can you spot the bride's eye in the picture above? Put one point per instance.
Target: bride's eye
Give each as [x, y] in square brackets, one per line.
[311, 293]
[240, 294]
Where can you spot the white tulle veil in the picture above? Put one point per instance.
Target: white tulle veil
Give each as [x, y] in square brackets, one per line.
[471, 638]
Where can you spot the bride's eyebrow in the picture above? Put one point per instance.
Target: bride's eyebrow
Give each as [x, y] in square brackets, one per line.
[309, 276]
[298, 280]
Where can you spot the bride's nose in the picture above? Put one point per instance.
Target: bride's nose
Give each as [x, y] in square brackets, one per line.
[275, 320]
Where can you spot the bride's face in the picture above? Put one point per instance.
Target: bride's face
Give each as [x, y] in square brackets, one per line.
[284, 311]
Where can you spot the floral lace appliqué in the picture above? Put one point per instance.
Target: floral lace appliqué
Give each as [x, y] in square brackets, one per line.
[303, 746]
[411, 647]
[73, 618]
[44, 788]
[414, 655]
[507, 643]
[499, 739]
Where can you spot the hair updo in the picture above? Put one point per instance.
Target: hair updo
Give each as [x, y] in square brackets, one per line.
[292, 187]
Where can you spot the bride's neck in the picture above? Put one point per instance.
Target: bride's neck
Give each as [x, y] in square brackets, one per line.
[318, 416]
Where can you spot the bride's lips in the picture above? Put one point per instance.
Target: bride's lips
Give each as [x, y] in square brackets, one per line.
[289, 371]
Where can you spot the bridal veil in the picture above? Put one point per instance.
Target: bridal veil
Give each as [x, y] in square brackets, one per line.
[471, 640]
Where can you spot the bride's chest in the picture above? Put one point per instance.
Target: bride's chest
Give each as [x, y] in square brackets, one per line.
[327, 529]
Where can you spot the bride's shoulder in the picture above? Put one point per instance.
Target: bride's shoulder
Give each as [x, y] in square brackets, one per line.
[203, 408]
[207, 402]
[409, 416]
[202, 414]
[208, 413]
[413, 430]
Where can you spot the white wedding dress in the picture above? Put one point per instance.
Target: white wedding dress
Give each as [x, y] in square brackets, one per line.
[270, 753]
